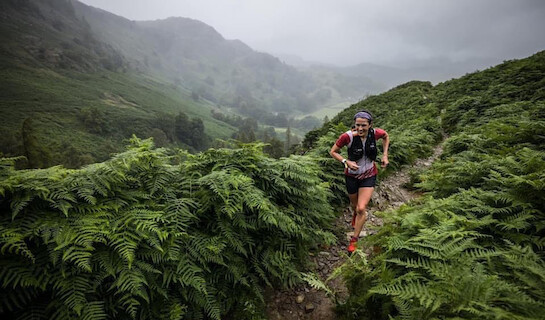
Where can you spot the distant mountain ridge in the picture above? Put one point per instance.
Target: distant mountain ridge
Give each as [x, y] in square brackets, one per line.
[227, 72]
[389, 75]
[434, 70]
[77, 81]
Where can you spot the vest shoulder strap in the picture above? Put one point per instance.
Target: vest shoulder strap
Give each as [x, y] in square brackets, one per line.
[351, 136]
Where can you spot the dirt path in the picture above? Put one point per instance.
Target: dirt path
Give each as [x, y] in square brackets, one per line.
[304, 302]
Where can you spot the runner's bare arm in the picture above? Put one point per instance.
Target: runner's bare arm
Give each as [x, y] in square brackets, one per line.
[334, 152]
[385, 145]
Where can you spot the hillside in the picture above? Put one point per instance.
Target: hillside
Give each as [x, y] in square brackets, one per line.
[70, 98]
[154, 231]
[472, 248]
[164, 234]
[77, 81]
[226, 72]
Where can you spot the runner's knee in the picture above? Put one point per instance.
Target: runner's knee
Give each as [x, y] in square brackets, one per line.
[361, 210]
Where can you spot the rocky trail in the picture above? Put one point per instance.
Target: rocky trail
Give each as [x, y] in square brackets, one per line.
[305, 302]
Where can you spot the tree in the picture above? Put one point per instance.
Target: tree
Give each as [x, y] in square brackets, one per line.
[159, 137]
[245, 135]
[93, 119]
[199, 139]
[307, 123]
[37, 156]
[326, 119]
[167, 124]
[288, 141]
[275, 148]
[181, 126]
[249, 123]
[267, 134]
[191, 132]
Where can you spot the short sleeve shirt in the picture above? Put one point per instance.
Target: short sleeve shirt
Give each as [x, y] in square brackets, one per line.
[367, 167]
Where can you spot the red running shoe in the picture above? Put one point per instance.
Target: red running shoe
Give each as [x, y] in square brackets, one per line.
[353, 244]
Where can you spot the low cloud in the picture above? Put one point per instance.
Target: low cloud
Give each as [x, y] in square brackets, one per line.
[348, 32]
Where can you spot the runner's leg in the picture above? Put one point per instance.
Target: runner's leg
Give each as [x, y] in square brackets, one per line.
[363, 198]
[353, 203]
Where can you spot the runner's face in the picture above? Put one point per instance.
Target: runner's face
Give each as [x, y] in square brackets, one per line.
[362, 126]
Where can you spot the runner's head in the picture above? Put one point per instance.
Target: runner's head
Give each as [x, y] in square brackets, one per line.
[362, 121]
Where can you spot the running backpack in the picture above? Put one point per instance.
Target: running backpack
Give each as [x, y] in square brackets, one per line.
[356, 149]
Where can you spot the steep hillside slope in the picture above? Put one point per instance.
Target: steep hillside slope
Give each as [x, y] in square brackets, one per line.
[227, 72]
[68, 98]
[474, 246]
[50, 34]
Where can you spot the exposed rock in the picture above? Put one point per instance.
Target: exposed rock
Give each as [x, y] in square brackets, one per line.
[300, 298]
[309, 307]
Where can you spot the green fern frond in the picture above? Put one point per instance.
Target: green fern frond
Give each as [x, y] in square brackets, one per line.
[313, 280]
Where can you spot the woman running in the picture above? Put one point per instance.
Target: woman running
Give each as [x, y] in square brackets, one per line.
[360, 169]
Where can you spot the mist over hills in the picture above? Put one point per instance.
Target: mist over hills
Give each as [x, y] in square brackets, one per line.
[78, 80]
[227, 72]
[70, 97]
[389, 75]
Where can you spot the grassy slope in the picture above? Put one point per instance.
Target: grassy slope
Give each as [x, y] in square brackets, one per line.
[52, 67]
[54, 100]
[329, 111]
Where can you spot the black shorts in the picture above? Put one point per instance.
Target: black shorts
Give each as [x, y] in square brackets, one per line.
[353, 184]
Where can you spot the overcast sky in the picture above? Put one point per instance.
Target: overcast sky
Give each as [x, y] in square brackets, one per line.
[347, 32]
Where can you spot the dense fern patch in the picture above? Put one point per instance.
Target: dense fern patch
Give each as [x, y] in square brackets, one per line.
[474, 247]
[140, 237]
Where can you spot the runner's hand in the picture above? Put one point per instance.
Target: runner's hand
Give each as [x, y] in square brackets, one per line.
[352, 165]
[384, 162]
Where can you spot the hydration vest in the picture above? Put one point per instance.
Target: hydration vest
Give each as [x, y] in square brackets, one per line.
[356, 150]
